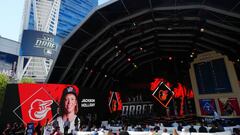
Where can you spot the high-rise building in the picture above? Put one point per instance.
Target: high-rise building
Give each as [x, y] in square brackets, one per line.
[58, 17]
[9, 51]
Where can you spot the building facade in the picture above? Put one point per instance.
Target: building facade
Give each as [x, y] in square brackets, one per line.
[58, 17]
[9, 51]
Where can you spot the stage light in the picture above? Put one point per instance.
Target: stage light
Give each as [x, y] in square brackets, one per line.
[140, 48]
[105, 76]
[170, 58]
[129, 59]
[116, 54]
[134, 65]
[191, 55]
[169, 28]
[202, 29]
[116, 46]
[238, 60]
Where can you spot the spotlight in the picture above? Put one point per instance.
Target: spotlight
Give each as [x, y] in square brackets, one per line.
[191, 55]
[105, 76]
[129, 59]
[134, 65]
[238, 60]
[170, 58]
[169, 28]
[202, 29]
[140, 48]
[116, 46]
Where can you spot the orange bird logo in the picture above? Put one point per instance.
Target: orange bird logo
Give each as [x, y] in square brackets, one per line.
[162, 95]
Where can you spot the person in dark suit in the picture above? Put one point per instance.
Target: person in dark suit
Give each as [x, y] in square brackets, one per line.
[192, 129]
[124, 131]
[202, 129]
[180, 127]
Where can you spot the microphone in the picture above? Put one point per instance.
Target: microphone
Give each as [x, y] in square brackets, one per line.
[76, 124]
[66, 126]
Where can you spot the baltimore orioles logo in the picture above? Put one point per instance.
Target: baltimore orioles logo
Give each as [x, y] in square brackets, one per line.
[162, 95]
[39, 109]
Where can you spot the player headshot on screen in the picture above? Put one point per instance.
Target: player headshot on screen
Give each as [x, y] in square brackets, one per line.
[229, 109]
[67, 121]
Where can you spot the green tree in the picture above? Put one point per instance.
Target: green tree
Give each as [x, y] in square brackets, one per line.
[27, 80]
[4, 79]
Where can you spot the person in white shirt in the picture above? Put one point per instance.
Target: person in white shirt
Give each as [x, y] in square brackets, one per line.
[68, 120]
[165, 132]
[174, 124]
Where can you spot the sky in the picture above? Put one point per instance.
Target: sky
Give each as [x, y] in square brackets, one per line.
[11, 12]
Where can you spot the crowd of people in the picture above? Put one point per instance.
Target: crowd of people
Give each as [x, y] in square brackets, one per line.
[68, 122]
[153, 129]
[13, 129]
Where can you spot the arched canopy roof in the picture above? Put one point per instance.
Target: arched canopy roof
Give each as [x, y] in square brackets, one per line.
[122, 36]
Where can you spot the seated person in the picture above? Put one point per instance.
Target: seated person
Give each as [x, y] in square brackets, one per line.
[192, 129]
[213, 129]
[180, 127]
[202, 128]
[165, 132]
[174, 124]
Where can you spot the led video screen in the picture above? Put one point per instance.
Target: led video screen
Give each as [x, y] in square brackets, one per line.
[212, 77]
[32, 102]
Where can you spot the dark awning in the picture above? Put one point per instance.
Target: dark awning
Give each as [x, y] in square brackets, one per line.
[122, 36]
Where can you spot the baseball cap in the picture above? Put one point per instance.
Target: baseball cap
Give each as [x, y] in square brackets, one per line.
[69, 90]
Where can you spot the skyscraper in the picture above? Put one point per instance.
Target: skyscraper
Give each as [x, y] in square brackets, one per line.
[58, 17]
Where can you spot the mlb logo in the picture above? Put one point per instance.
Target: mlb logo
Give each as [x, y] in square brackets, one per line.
[207, 106]
[163, 94]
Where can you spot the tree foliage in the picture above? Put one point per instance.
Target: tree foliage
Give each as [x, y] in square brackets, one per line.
[4, 79]
[27, 80]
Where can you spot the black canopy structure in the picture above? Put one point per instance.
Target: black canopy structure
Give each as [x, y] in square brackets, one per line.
[125, 39]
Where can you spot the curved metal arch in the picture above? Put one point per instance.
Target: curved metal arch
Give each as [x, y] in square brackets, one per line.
[125, 63]
[104, 55]
[139, 13]
[95, 37]
[97, 49]
[142, 63]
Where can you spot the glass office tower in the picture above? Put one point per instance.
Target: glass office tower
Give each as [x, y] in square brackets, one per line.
[58, 17]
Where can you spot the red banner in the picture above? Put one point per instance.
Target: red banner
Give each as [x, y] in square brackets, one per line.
[229, 106]
[39, 102]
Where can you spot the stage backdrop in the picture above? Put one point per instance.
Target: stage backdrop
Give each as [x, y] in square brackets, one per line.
[32, 102]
